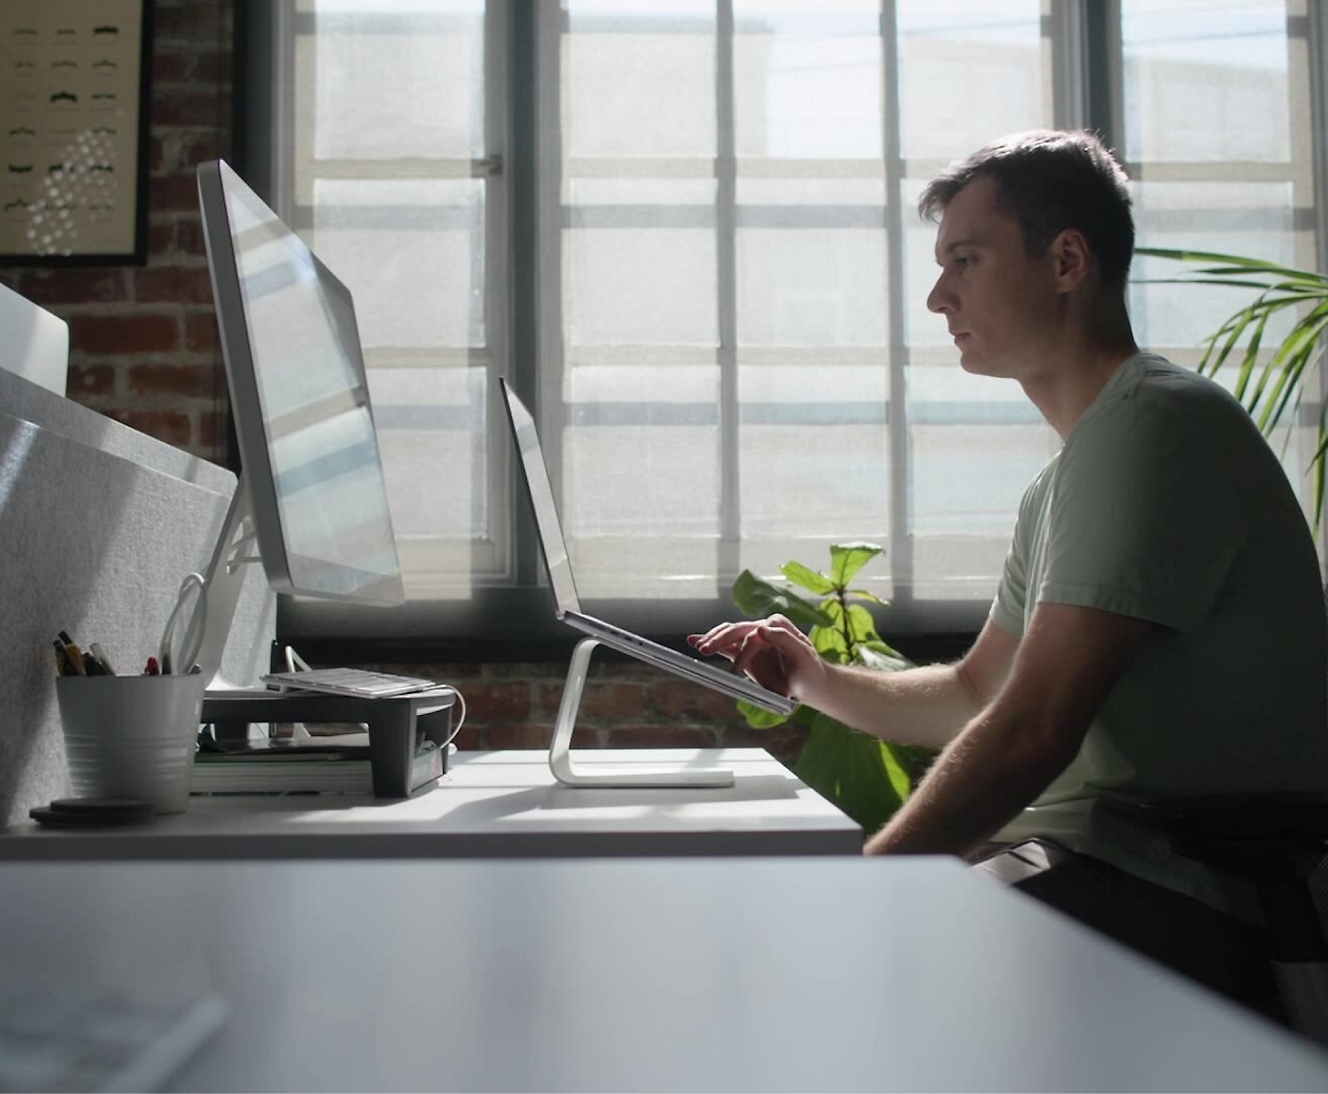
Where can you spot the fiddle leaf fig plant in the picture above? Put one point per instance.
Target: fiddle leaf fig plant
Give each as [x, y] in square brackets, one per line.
[865, 777]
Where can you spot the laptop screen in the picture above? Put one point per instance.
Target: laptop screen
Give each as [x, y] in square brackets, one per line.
[541, 500]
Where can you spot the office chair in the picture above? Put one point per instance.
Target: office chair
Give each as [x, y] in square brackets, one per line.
[1280, 843]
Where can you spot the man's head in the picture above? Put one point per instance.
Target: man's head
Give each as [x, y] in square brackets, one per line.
[1050, 180]
[1034, 245]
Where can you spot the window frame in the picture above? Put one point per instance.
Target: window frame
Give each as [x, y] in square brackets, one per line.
[513, 619]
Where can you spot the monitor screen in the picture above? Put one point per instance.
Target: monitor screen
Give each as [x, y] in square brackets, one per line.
[301, 405]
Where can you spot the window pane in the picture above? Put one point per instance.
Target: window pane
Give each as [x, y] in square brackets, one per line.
[389, 113]
[1206, 80]
[969, 72]
[393, 80]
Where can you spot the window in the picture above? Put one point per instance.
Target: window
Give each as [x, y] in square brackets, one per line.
[687, 229]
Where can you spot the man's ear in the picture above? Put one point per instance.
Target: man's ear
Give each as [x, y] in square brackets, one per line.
[1072, 259]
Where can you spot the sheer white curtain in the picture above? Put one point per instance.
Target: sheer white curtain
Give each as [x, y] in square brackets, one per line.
[736, 366]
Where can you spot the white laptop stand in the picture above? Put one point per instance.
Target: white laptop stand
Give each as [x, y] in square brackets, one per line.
[560, 755]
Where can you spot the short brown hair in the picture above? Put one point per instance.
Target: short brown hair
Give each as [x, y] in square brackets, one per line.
[1051, 180]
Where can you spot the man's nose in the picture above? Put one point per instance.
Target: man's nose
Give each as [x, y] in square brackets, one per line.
[938, 300]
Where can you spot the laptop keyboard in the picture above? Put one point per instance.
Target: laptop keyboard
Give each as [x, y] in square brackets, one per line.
[53, 1039]
[362, 683]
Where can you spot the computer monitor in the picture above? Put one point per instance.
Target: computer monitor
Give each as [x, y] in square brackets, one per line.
[312, 482]
[36, 343]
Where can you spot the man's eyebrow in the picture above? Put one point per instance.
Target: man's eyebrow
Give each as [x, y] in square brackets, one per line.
[955, 245]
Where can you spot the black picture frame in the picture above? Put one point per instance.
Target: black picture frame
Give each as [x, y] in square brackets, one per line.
[67, 130]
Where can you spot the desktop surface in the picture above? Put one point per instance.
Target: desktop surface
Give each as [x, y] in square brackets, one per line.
[826, 973]
[489, 804]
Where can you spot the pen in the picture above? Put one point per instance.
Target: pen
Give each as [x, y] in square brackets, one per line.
[102, 660]
[62, 665]
[74, 654]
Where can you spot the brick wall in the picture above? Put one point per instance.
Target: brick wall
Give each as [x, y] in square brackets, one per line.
[627, 705]
[144, 351]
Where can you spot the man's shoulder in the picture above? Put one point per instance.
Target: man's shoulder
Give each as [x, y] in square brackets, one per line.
[1153, 403]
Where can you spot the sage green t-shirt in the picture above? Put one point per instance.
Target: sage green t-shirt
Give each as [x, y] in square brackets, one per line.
[1166, 504]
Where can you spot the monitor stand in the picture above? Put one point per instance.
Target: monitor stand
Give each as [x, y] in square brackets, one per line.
[560, 756]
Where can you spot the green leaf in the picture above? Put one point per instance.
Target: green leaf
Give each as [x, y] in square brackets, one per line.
[861, 625]
[758, 718]
[829, 643]
[863, 594]
[877, 655]
[759, 598]
[808, 578]
[858, 773]
[846, 559]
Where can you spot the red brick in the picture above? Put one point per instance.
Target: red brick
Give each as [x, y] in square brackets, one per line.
[173, 284]
[196, 148]
[156, 155]
[173, 194]
[212, 433]
[677, 697]
[660, 737]
[188, 104]
[73, 286]
[494, 702]
[200, 333]
[102, 334]
[190, 380]
[599, 700]
[170, 426]
[534, 735]
[469, 739]
[161, 239]
[189, 232]
[194, 24]
[90, 380]
[169, 67]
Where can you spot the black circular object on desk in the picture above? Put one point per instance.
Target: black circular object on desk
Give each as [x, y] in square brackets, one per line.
[92, 812]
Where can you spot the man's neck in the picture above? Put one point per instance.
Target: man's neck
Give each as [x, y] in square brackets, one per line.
[1075, 370]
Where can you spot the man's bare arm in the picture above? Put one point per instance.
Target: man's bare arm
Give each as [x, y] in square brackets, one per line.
[1064, 669]
[925, 706]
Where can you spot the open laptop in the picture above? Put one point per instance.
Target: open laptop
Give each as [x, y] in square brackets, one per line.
[568, 606]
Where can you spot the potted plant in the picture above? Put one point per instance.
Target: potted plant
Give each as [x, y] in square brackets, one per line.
[864, 776]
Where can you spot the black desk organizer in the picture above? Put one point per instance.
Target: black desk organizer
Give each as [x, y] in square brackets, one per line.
[399, 726]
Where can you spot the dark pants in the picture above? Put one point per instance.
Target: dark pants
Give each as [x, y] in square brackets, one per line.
[1222, 953]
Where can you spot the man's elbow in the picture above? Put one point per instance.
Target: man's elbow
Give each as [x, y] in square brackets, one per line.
[1045, 743]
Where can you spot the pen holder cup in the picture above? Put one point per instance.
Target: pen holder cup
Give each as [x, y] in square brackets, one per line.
[132, 736]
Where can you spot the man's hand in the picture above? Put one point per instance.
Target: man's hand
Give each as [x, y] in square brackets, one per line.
[772, 651]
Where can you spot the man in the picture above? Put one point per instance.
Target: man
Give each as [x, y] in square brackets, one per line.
[1158, 630]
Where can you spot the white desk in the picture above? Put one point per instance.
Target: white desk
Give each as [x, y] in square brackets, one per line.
[495, 804]
[825, 973]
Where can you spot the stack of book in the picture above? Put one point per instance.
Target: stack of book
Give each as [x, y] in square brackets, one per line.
[330, 765]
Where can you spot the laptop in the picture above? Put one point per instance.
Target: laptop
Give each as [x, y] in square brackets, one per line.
[567, 604]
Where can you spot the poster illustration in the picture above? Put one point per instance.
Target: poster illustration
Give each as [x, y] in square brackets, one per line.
[72, 131]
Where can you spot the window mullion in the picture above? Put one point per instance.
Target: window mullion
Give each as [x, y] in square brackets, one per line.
[901, 535]
[726, 280]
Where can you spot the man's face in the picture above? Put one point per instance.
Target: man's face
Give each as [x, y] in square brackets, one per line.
[997, 301]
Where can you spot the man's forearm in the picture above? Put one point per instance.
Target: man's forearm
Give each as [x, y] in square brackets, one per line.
[926, 706]
[992, 771]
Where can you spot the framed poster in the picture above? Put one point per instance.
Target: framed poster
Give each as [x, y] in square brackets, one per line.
[75, 81]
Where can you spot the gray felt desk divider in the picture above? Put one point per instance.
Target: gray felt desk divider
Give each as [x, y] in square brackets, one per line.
[98, 526]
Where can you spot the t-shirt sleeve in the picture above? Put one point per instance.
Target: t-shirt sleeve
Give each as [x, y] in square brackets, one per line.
[1007, 609]
[1140, 520]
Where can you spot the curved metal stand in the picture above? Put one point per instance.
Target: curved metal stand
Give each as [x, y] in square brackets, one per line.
[560, 757]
